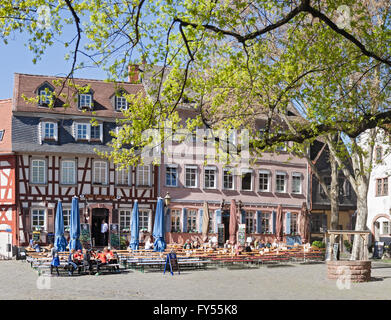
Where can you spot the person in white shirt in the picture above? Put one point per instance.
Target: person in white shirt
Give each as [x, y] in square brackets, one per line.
[148, 244]
[104, 229]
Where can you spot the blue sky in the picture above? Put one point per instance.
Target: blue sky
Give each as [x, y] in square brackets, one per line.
[15, 57]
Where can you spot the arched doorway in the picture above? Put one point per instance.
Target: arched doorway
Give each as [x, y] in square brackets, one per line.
[381, 228]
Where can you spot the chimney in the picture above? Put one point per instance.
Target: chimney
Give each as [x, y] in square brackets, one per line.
[134, 73]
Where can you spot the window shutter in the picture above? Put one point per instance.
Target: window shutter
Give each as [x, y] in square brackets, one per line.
[200, 215]
[168, 220]
[218, 219]
[114, 216]
[274, 214]
[74, 130]
[288, 223]
[184, 220]
[259, 222]
[40, 133]
[101, 132]
[55, 131]
[243, 216]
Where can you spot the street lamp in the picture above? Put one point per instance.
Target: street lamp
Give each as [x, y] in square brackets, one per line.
[167, 199]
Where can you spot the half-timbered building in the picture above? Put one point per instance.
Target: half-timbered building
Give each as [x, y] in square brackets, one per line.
[51, 155]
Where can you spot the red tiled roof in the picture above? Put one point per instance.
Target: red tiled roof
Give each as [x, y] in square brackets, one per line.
[27, 84]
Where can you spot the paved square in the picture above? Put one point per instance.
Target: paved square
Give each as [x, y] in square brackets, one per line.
[283, 282]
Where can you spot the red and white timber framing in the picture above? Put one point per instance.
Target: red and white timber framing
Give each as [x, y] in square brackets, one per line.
[8, 218]
[110, 196]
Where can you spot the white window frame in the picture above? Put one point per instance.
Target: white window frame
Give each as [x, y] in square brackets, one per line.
[84, 96]
[171, 166]
[192, 217]
[48, 96]
[196, 176]
[243, 171]
[214, 169]
[66, 212]
[119, 106]
[94, 178]
[250, 216]
[264, 172]
[138, 169]
[44, 172]
[125, 213]
[300, 176]
[176, 220]
[123, 172]
[279, 173]
[383, 229]
[55, 130]
[233, 178]
[100, 125]
[88, 131]
[44, 218]
[62, 171]
[142, 213]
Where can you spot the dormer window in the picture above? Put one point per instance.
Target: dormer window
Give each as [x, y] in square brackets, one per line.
[49, 130]
[86, 131]
[45, 97]
[85, 101]
[45, 94]
[121, 103]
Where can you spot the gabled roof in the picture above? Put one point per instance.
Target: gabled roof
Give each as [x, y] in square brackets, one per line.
[27, 84]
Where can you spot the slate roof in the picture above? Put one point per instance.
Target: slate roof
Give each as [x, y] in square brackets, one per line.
[25, 137]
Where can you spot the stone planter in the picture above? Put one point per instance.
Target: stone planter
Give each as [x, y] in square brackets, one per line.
[355, 271]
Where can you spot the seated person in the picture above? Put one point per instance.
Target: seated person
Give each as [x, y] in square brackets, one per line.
[148, 244]
[275, 244]
[87, 260]
[261, 245]
[256, 244]
[101, 260]
[31, 243]
[268, 245]
[111, 257]
[227, 245]
[187, 245]
[247, 248]
[72, 266]
[37, 247]
[196, 245]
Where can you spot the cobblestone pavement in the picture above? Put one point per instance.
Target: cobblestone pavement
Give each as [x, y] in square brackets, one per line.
[19, 281]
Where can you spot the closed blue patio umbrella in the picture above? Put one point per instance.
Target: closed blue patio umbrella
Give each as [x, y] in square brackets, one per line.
[75, 225]
[60, 242]
[134, 241]
[158, 227]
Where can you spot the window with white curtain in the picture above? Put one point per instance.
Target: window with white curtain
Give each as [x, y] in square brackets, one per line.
[143, 175]
[100, 172]
[123, 177]
[38, 171]
[68, 172]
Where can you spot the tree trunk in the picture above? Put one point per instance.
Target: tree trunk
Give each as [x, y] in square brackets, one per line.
[334, 192]
[362, 215]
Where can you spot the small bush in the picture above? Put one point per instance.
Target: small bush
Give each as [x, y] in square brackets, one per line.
[348, 245]
[319, 244]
